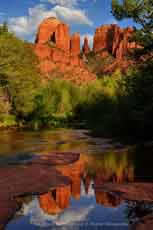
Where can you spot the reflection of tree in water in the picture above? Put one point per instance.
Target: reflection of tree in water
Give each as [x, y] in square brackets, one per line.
[111, 167]
[137, 210]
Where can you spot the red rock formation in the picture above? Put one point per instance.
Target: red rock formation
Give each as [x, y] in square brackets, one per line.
[63, 195]
[86, 48]
[87, 182]
[75, 44]
[57, 50]
[46, 30]
[74, 172]
[114, 40]
[62, 37]
[107, 199]
[103, 38]
[48, 204]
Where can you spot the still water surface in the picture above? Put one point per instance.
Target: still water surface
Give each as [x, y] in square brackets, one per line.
[81, 205]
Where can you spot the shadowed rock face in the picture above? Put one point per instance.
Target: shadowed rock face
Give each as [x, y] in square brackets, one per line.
[103, 38]
[114, 40]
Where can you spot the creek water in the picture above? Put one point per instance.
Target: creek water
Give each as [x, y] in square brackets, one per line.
[82, 204]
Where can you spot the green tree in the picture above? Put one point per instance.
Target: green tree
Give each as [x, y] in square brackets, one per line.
[18, 72]
[4, 28]
[141, 11]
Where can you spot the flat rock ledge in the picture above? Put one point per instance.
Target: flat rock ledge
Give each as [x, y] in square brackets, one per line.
[129, 191]
[34, 177]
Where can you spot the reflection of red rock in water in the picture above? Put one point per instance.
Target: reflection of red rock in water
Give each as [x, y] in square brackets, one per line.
[63, 195]
[74, 172]
[59, 199]
[55, 201]
[48, 204]
[87, 182]
[107, 199]
[35, 177]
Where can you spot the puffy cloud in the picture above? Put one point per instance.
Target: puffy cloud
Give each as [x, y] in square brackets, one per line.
[27, 25]
[70, 216]
[72, 15]
[73, 215]
[67, 3]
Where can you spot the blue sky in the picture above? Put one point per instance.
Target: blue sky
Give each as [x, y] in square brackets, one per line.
[84, 16]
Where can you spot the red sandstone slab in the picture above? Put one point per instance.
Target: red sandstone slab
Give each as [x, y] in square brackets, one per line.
[130, 191]
[33, 178]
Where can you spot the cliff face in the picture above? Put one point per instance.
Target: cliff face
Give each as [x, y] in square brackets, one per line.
[57, 49]
[46, 30]
[114, 40]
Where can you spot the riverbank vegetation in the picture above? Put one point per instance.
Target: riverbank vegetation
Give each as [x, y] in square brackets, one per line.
[113, 105]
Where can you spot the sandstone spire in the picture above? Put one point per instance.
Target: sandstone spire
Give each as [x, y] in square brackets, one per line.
[86, 48]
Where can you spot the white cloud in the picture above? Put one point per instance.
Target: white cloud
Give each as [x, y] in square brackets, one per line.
[39, 218]
[27, 25]
[73, 215]
[90, 39]
[76, 16]
[67, 3]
